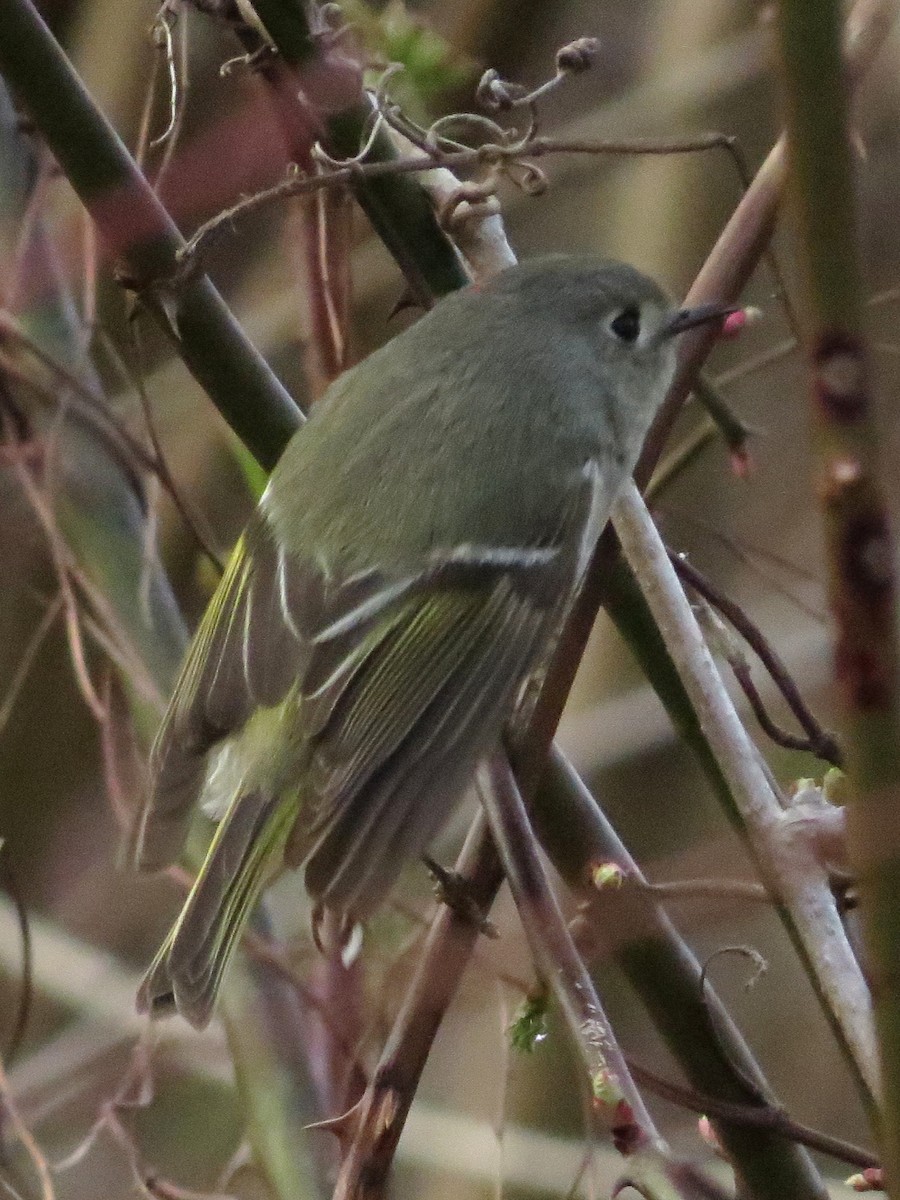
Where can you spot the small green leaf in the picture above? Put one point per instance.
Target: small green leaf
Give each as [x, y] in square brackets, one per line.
[529, 1027]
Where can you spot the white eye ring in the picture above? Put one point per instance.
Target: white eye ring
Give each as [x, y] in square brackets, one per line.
[626, 324]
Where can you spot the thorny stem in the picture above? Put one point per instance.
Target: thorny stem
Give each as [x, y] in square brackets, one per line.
[852, 485]
[616, 1100]
[375, 1126]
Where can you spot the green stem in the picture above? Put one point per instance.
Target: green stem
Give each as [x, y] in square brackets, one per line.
[136, 227]
[850, 481]
[397, 205]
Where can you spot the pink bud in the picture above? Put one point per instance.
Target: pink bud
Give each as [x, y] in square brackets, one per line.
[739, 319]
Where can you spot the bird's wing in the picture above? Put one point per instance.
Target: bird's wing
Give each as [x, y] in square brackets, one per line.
[249, 649]
[398, 742]
[278, 621]
[395, 746]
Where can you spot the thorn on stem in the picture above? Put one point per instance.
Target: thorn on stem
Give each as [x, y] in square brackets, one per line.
[453, 890]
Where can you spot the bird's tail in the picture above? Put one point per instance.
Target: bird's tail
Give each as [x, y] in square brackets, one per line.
[246, 852]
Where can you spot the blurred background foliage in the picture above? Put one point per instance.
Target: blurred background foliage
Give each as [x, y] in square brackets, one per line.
[487, 1117]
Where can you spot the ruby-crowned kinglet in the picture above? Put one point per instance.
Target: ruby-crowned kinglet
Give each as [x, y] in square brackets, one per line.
[409, 564]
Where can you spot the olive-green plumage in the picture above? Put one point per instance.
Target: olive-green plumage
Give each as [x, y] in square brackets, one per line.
[404, 574]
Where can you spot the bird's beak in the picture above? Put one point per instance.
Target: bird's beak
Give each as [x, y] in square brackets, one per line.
[688, 318]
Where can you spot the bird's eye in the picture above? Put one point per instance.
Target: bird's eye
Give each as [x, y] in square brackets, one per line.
[627, 324]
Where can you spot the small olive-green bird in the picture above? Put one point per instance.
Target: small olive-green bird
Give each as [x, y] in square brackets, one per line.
[403, 578]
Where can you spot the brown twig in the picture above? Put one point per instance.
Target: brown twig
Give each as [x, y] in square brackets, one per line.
[701, 889]
[42, 508]
[376, 1124]
[753, 556]
[160, 463]
[487, 155]
[818, 741]
[327, 216]
[752, 1116]
[26, 1138]
[26, 660]
[127, 448]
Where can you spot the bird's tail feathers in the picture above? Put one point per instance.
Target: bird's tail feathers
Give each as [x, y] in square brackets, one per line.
[246, 851]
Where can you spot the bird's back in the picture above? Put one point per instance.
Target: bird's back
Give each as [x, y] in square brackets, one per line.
[414, 450]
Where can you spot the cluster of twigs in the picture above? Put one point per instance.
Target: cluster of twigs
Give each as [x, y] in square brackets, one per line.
[499, 153]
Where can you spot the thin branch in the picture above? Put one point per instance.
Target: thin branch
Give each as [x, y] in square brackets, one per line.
[819, 741]
[749, 231]
[374, 1127]
[753, 556]
[617, 1101]
[628, 926]
[26, 660]
[787, 865]
[701, 889]
[788, 741]
[43, 510]
[161, 465]
[768, 1118]
[26, 1138]
[88, 403]
[300, 184]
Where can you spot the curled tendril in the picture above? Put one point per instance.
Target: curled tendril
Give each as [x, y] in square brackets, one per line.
[328, 25]
[380, 96]
[371, 129]
[479, 198]
[161, 35]
[528, 177]
[437, 140]
[495, 94]
[330, 17]
[161, 30]
[249, 61]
